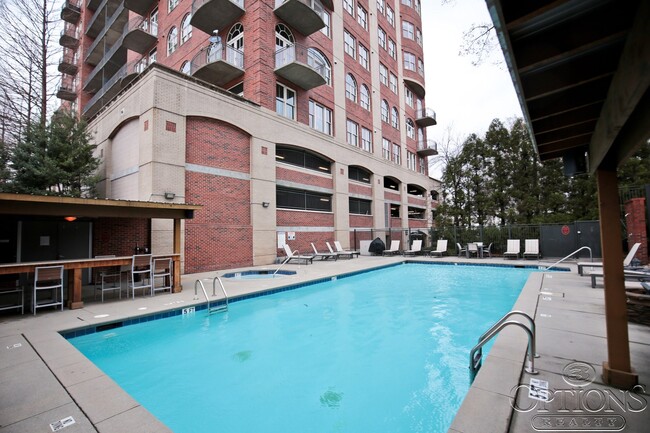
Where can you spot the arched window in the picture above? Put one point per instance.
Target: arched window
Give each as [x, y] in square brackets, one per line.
[235, 41]
[172, 40]
[318, 61]
[395, 118]
[350, 88]
[364, 97]
[410, 129]
[186, 28]
[185, 68]
[384, 111]
[283, 36]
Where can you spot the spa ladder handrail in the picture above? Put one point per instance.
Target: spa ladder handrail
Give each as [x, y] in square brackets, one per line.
[284, 262]
[476, 354]
[591, 257]
[219, 308]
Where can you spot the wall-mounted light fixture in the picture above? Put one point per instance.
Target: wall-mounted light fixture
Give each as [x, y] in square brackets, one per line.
[265, 204]
[170, 195]
[70, 218]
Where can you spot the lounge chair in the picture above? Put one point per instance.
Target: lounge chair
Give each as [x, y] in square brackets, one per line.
[532, 248]
[628, 275]
[339, 249]
[626, 263]
[514, 248]
[441, 248]
[346, 254]
[394, 248]
[323, 256]
[461, 250]
[295, 256]
[416, 247]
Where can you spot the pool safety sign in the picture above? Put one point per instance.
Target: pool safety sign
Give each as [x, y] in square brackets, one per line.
[538, 389]
[61, 424]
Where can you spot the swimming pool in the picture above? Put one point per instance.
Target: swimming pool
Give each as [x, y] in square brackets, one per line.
[383, 351]
[255, 274]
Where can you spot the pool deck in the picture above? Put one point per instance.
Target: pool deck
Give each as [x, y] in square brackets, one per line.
[44, 379]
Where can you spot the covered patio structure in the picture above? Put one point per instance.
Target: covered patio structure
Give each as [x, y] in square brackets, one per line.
[581, 71]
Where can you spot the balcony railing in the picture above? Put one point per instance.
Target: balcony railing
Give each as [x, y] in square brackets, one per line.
[427, 148]
[107, 36]
[426, 117]
[71, 11]
[69, 36]
[69, 63]
[210, 15]
[112, 87]
[67, 89]
[138, 35]
[218, 64]
[296, 65]
[306, 16]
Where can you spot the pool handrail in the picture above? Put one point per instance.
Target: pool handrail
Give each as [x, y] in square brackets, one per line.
[282, 264]
[531, 322]
[476, 354]
[591, 257]
[219, 308]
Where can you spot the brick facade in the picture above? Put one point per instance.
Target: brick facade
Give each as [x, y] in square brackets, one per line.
[636, 224]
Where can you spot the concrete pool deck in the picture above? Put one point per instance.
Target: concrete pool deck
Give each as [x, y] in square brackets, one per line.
[44, 379]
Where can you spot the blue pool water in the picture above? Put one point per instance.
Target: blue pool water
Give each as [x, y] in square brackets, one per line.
[382, 351]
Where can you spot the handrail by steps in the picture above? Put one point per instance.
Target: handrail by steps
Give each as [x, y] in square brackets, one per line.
[576, 251]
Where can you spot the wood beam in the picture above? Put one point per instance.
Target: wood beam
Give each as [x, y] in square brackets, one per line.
[629, 85]
[617, 370]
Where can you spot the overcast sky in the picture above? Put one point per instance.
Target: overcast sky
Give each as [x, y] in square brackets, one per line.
[464, 96]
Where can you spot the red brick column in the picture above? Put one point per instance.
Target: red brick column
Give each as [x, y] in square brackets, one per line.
[636, 227]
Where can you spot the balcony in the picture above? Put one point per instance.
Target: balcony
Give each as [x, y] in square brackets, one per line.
[415, 85]
[107, 37]
[306, 16]
[67, 91]
[426, 117]
[69, 36]
[111, 63]
[112, 88]
[217, 65]
[68, 63]
[70, 11]
[140, 7]
[296, 65]
[210, 15]
[138, 36]
[427, 148]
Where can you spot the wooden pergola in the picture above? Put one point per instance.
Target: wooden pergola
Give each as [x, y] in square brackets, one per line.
[24, 205]
[581, 69]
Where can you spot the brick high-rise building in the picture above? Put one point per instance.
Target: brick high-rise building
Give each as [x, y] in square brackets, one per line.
[286, 119]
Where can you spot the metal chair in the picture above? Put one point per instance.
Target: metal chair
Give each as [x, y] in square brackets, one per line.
[162, 269]
[141, 275]
[105, 278]
[488, 250]
[461, 251]
[48, 280]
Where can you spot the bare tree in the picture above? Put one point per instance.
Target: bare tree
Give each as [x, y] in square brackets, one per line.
[479, 42]
[29, 51]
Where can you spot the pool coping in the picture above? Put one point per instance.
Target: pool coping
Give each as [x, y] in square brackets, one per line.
[65, 372]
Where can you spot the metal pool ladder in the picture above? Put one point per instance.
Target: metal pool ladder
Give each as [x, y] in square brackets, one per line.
[591, 257]
[219, 308]
[476, 354]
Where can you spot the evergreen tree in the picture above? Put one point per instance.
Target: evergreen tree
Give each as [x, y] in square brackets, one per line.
[5, 173]
[56, 159]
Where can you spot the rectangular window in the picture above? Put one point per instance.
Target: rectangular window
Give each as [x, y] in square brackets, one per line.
[408, 30]
[393, 83]
[384, 111]
[409, 61]
[348, 5]
[416, 213]
[363, 57]
[408, 95]
[420, 67]
[285, 101]
[410, 161]
[397, 151]
[360, 207]
[171, 4]
[327, 19]
[366, 140]
[394, 210]
[385, 149]
[390, 16]
[410, 129]
[362, 17]
[383, 74]
[422, 165]
[418, 36]
[349, 44]
[392, 51]
[287, 198]
[380, 6]
[320, 118]
[407, 2]
[381, 36]
[352, 134]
